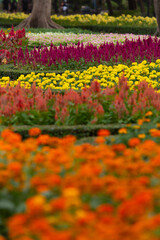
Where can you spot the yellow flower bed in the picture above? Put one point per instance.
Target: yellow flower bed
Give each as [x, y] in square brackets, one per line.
[87, 19]
[105, 19]
[107, 76]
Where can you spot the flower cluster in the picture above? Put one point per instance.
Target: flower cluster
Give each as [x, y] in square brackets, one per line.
[107, 76]
[52, 188]
[89, 106]
[87, 19]
[89, 55]
[104, 20]
[10, 43]
[64, 38]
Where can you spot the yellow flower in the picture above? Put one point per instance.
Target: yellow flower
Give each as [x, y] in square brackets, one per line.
[136, 127]
[142, 135]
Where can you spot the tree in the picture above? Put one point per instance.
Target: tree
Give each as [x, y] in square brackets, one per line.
[142, 7]
[157, 12]
[40, 16]
[132, 4]
[110, 9]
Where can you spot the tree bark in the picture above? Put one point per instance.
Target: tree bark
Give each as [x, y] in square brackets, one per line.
[110, 9]
[103, 4]
[142, 7]
[40, 16]
[157, 12]
[132, 4]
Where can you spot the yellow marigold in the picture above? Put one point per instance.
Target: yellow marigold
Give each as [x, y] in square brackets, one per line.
[142, 135]
[136, 127]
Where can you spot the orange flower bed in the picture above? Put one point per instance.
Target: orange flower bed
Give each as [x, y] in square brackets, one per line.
[56, 189]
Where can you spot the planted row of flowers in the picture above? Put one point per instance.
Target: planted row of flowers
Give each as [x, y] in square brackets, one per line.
[52, 188]
[107, 76]
[92, 105]
[79, 56]
[87, 19]
[63, 38]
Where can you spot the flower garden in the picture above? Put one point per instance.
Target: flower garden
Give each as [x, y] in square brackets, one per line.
[88, 164]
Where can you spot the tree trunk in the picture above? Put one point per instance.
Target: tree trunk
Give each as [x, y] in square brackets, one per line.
[103, 4]
[148, 7]
[142, 7]
[19, 6]
[40, 16]
[132, 4]
[157, 12]
[110, 9]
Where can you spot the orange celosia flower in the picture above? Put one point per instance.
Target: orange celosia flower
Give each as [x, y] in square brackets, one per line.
[133, 142]
[103, 132]
[34, 132]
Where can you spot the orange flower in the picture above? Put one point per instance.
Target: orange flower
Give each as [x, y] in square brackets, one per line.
[140, 121]
[120, 147]
[6, 133]
[133, 142]
[15, 168]
[100, 140]
[103, 132]
[155, 133]
[58, 204]
[122, 131]
[147, 120]
[2, 238]
[149, 113]
[35, 205]
[34, 132]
